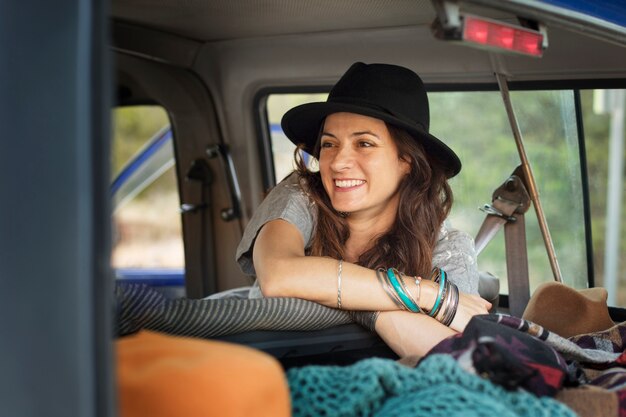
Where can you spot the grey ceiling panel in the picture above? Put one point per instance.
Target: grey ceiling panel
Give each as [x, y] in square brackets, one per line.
[234, 19]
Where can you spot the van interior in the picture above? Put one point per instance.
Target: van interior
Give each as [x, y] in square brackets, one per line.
[222, 73]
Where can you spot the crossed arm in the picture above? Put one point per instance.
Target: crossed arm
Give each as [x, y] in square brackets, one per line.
[283, 270]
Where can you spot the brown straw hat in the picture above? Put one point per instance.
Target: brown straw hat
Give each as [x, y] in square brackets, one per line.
[569, 312]
[390, 93]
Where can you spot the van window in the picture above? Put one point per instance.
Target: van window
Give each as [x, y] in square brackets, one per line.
[603, 120]
[282, 148]
[476, 126]
[147, 225]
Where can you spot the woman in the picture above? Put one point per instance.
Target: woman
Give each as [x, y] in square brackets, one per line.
[362, 233]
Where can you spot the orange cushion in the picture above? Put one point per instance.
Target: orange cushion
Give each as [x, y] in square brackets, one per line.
[166, 376]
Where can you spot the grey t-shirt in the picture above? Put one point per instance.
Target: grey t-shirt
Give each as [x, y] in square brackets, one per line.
[454, 251]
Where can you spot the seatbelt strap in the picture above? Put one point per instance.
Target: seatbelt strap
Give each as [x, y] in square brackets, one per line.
[517, 265]
[495, 219]
[509, 203]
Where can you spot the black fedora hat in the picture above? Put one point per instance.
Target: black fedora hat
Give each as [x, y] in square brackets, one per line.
[390, 93]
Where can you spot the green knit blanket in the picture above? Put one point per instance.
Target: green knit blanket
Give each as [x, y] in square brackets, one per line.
[438, 387]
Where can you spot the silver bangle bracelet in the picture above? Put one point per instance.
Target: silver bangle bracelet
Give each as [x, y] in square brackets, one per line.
[455, 305]
[382, 278]
[445, 302]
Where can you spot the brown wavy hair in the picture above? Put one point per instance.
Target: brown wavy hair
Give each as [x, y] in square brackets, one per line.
[425, 202]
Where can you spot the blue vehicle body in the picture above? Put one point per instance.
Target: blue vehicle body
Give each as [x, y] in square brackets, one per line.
[607, 10]
[140, 171]
[145, 167]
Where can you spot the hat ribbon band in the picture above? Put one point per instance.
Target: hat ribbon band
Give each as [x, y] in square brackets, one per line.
[374, 106]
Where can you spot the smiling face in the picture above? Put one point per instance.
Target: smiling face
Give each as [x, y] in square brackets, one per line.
[360, 166]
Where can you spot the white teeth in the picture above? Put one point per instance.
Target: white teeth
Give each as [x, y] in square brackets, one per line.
[348, 183]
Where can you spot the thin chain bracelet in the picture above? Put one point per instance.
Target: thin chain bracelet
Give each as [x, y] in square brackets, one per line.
[339, 284]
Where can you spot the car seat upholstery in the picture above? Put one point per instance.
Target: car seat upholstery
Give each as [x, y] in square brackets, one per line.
[489, 289]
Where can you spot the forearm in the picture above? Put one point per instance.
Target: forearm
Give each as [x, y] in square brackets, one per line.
[283, 270]
[409, 334]
[317, 279]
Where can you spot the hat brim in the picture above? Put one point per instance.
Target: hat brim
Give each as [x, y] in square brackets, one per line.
[302, 125]
[568, 312]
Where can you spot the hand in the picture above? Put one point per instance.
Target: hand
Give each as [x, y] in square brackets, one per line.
[469, 306]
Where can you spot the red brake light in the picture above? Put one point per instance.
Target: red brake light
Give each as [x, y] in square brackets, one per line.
[502, 36]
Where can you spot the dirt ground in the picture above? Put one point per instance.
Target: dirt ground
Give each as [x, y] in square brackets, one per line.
[147, 234]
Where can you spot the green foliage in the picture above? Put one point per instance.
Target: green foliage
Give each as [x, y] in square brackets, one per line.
[279, 104]
[476, 126]
[133, 126]
[597, 146]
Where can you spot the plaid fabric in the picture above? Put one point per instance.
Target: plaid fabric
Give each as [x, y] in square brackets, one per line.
[508, 356]
[515, 353]
[598, 354]
[611, 340]
[608, 376]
